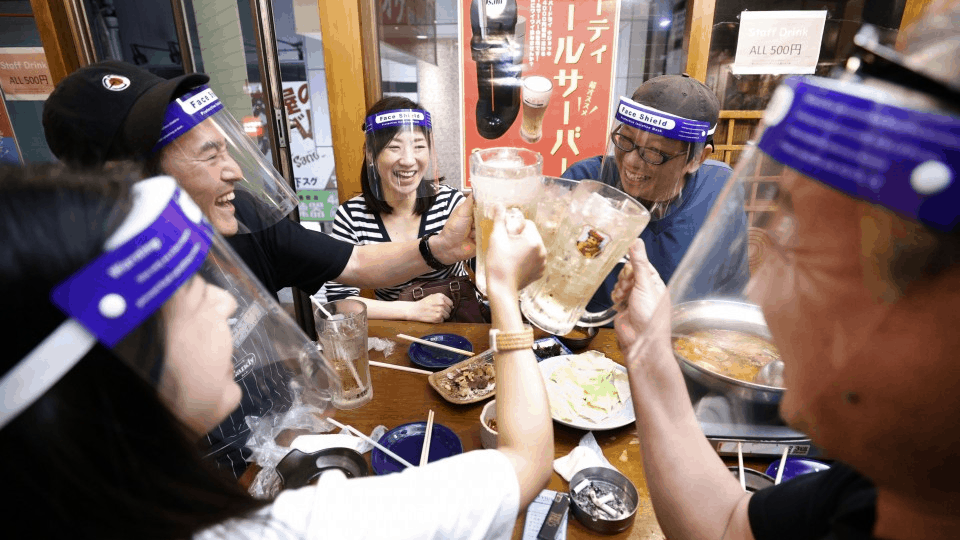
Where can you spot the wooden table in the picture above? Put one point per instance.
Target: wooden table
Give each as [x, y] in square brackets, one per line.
[401, 397]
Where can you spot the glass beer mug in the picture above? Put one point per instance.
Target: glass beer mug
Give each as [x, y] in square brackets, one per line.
[587, 226]
[507, 176]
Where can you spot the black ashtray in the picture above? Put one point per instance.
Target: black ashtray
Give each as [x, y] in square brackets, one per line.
[297, 469]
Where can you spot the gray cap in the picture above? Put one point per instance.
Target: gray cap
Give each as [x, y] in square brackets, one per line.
[681, 95]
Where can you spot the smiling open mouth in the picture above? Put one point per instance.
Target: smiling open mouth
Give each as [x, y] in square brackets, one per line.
[224, 200]
[405, 176]
[635, 179]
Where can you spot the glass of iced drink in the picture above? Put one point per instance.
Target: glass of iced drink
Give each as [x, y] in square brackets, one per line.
[343, 341]
[508, 176]
[600, 224]
[551, 207]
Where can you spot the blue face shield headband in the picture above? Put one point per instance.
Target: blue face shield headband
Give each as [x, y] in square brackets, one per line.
[161, 244]
[903, 159]
[400, 159]
[198, 130]
[164, 242]
[662, 123]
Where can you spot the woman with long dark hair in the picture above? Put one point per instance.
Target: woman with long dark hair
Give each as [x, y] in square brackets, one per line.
[118, 344]
[402, 199]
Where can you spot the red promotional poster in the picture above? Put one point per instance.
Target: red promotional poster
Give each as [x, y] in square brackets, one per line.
[538, 74]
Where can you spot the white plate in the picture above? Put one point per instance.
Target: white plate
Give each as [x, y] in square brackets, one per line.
[618, 418]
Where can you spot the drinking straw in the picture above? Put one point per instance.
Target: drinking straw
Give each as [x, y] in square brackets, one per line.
[338, 354]
[436, 345]
[321, 308]
[425, 451]
[783, 463]
[743, 481]
[354, 430]
[400, 368]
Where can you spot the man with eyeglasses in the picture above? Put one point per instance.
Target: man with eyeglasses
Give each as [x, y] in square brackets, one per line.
[658, 153]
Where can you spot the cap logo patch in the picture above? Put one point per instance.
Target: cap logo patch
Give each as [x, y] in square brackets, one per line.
[115, 83]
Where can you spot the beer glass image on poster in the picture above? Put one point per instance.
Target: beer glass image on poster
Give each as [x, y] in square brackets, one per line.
[509, 176]
[343, 341]
[535, 99]
[595, 233]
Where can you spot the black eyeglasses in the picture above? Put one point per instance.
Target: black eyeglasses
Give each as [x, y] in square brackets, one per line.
[650, 155]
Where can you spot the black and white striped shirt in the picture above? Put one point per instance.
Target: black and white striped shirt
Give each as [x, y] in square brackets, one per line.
[356, 223]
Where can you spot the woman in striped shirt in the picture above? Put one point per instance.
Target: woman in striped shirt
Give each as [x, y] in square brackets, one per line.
[402, 200]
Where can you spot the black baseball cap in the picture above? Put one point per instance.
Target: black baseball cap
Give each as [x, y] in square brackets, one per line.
[110, 111]
[681, 95]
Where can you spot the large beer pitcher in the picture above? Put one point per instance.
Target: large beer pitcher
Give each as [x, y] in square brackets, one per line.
[597, 226]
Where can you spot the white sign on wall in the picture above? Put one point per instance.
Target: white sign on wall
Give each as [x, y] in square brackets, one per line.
[779, 42]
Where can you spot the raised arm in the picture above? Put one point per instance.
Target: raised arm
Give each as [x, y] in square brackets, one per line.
[382, 265]
[693, 493]
[525, 430]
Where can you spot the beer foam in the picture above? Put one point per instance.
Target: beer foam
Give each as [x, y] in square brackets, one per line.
[538, 83]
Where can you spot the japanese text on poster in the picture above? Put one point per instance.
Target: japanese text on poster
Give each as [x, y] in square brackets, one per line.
[313, 165]
[779, 42]
[538, 74]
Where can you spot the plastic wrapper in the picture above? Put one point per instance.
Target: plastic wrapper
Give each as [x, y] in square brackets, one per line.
[267, 453]
[386, 346]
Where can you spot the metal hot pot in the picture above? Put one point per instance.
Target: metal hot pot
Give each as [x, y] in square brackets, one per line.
[689, 317]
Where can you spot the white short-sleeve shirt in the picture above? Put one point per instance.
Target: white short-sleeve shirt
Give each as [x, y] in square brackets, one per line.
[474, 495]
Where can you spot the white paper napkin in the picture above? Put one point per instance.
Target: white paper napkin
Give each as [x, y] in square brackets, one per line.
[586, 454]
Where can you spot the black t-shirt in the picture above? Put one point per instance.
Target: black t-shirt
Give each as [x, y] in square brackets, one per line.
[289, 255]
[836, 504]
[283, 255]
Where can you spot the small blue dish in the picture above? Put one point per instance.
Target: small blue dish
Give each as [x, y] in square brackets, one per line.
[407, 442]
[796, 466]
[436, 359]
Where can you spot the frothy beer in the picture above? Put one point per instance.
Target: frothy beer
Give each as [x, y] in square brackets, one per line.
[536, 97]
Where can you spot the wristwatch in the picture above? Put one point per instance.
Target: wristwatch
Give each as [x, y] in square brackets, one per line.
[511, 341]
[427, 255]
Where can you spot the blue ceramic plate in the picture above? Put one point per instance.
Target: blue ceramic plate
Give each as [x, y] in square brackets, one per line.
[407, 441]
[436, 359]
[795, 467]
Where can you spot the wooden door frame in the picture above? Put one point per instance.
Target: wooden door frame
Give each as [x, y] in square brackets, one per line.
[351, 57]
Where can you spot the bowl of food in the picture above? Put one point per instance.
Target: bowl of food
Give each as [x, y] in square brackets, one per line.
[488, 425]
[724, 345]
[579, 337]
[466, 382]
[603, 499]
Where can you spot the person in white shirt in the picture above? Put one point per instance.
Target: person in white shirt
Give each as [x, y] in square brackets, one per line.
[99, 421]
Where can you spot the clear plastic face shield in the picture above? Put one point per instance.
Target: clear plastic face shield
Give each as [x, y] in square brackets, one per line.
[400, 158]
[848, 178]
[218, 327]
[647, 153]
[204, 147]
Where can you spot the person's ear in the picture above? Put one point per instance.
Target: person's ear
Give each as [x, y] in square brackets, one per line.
[694, 164]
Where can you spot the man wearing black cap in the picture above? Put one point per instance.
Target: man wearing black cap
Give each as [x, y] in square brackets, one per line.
[113, 111]
[658, 154]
